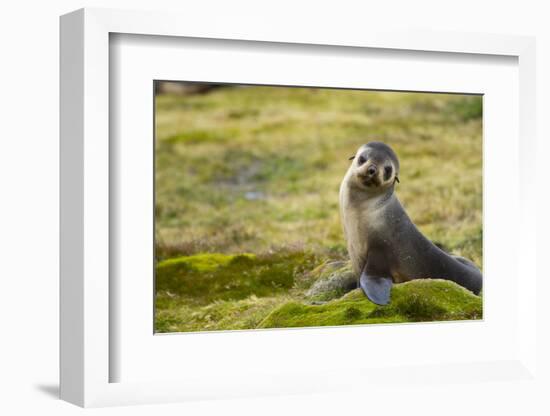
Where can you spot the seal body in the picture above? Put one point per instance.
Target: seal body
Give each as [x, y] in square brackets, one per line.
[384, 245]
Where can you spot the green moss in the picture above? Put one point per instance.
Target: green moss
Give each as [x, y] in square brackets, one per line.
[207, 277]
[415, 301]
[202, 262]
[208, 292]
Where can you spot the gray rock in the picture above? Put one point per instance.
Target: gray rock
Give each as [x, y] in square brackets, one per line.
[335, 279]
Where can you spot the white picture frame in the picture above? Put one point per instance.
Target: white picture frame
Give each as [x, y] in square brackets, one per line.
[87, 304]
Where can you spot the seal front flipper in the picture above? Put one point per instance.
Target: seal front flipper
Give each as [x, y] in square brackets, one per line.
[376, 288]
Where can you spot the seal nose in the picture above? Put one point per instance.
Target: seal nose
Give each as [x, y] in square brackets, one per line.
[371, 171]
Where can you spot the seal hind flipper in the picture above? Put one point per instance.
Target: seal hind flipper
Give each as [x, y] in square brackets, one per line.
[377, 289]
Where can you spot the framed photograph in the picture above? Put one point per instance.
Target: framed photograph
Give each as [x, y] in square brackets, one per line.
[248, 231]
[261, 213]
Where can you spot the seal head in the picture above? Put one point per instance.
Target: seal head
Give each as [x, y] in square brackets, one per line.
[375, 168]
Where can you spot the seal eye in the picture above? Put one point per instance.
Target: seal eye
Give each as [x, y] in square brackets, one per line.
[361, 160]
[387, 172]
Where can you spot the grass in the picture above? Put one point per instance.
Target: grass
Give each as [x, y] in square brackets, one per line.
[247, 190]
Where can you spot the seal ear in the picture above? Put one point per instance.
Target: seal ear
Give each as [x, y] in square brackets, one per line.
[397, 179]
[351, 158]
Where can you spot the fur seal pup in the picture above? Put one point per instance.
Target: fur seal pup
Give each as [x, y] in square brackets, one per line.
[383, 243]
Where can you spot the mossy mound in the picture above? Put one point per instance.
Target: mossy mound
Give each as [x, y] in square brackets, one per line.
[210, 277]
[415, 301]
[209, 292]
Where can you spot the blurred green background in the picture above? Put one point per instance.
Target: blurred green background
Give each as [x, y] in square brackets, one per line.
[247, 182]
